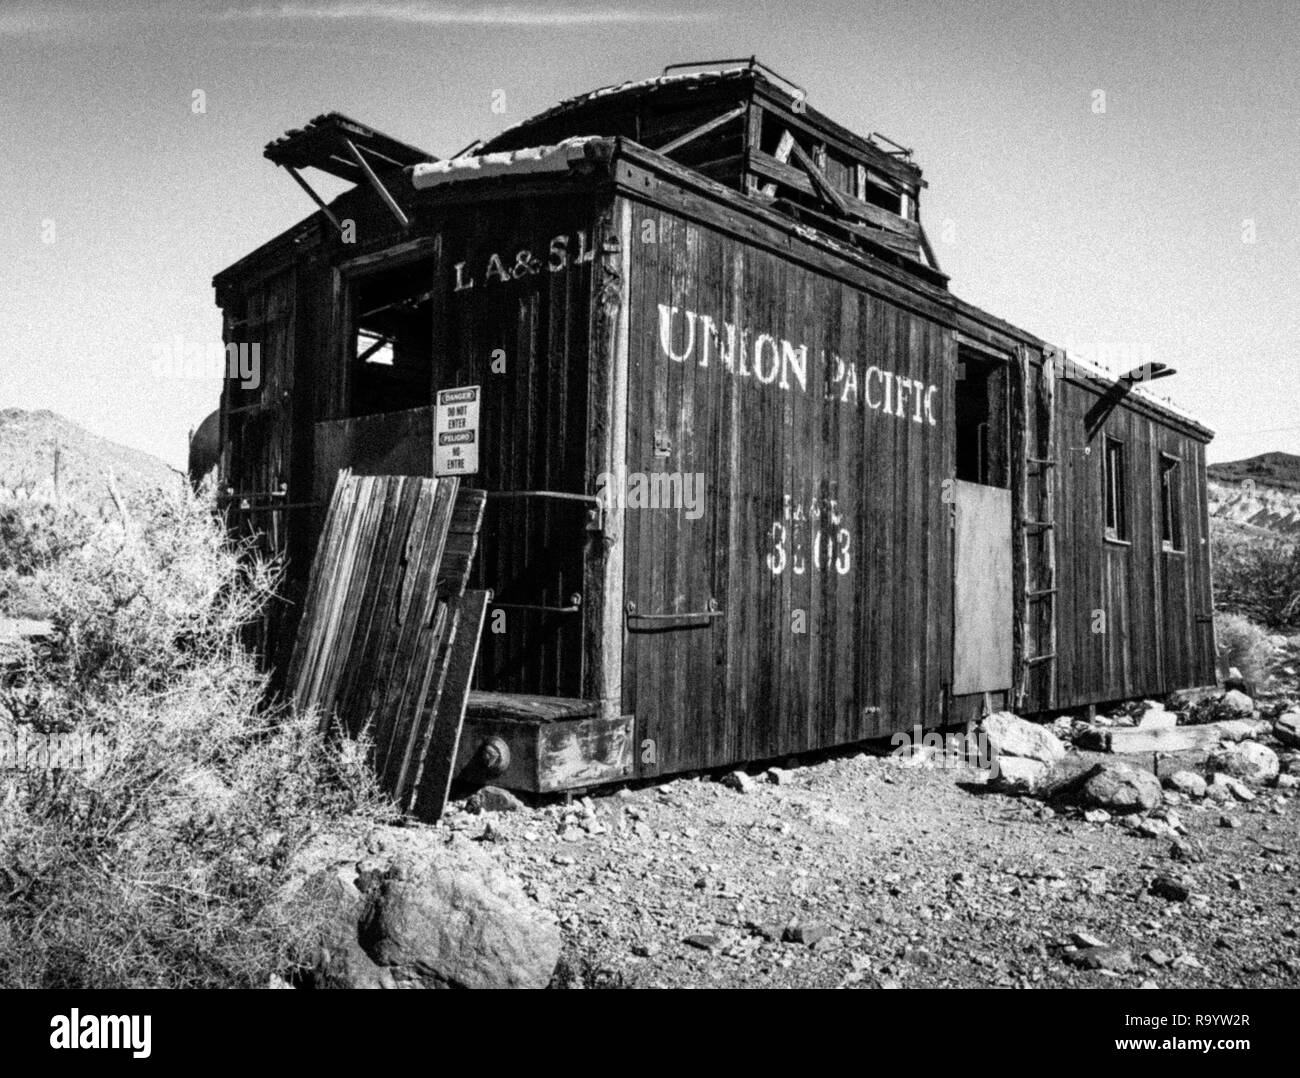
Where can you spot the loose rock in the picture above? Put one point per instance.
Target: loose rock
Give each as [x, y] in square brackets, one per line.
[1186, 782]
[1248, 761]
[1117, 788]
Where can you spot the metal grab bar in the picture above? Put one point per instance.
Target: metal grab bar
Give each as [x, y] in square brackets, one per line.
[687, 619]
[575, 600]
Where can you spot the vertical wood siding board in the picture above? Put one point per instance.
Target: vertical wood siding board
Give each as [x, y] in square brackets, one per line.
[641, 265]
[783, 698]
[738, 600]
[856, 517]
[679, 575]
[396, 625]
[359, 544]
[398, 503]
[693, 533]
[304, 654]
[717, 515]
[650, 369]
[306, 668]
[652, 566]
[802, 458]
[919, 498]
[899, 705]
[936, 580]
[419, 644]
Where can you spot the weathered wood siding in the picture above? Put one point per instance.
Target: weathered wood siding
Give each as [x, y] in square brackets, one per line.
[1133, 620]
[819, 512]
[534, 417]
[262, 430]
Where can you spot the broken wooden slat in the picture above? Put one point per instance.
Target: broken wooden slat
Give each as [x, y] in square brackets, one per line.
[437, 752]
[452, 576]
[521, 707]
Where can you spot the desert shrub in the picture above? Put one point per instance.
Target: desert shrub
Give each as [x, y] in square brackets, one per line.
[35, 534]
[162, 865]
[1257, 577]
[1243, 644]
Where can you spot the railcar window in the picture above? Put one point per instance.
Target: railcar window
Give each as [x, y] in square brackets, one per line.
[1115, 493]
[1171, 502]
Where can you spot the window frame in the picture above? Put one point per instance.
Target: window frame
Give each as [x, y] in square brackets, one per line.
[1114, 493]
[1173, 531]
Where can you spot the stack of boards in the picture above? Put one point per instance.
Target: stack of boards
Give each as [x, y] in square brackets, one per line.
[389, 635]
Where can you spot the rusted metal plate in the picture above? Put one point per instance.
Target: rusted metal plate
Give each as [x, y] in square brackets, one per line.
[544, 757]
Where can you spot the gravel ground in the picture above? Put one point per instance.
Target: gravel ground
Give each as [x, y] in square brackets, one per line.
[866, 871]
[898, 876]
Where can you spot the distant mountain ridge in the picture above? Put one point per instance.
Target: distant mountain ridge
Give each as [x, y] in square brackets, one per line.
[1259, 495]
[30, 440]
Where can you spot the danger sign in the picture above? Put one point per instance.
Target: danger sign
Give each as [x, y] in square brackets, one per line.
[455, 431]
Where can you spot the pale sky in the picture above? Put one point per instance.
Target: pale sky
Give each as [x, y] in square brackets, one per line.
[1122, 227]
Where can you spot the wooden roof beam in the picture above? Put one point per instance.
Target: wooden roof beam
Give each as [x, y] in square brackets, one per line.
[377, 184]
[818, 177]
[703, 129]
[314, 196]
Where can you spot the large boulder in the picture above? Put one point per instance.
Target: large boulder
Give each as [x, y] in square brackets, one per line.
[1010, 735]
[1248, 760]
[1115, 787]
[421, 913]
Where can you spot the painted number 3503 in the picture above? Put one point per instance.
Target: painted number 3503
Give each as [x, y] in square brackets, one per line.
[794, 546]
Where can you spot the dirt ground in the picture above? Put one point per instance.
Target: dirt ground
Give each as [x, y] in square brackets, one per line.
[865, 871]
[899, 876]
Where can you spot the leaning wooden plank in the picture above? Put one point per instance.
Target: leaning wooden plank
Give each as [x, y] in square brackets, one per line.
[372, 656]
[421, 621]
[437, 752]
[399, 499]
[453, 569]
[319, 626]
[347, 592]
[462, 542]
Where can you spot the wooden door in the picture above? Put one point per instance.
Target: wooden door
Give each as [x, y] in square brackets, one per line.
[982, 591]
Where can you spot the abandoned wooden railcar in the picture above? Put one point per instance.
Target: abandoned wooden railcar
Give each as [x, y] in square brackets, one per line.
[871, 505]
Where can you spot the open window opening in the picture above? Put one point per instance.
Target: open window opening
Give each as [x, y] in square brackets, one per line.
[391, 340]
[1116, 491]
[878, 194]
[981, 418]
[1171, 503]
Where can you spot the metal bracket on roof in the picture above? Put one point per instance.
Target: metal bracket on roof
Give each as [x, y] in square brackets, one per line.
[377, 184]
[899, 149]
[753, 63]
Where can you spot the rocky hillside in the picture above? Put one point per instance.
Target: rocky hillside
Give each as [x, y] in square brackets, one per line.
[30, 440]
[1259, 495]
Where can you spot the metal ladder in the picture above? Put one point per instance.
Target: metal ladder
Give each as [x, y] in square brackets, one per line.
[1039, 596]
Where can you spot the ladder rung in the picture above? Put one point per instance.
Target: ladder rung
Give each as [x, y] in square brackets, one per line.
[1038, 524]
[1039, 594]
[1051, 655]
[1046, 462]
